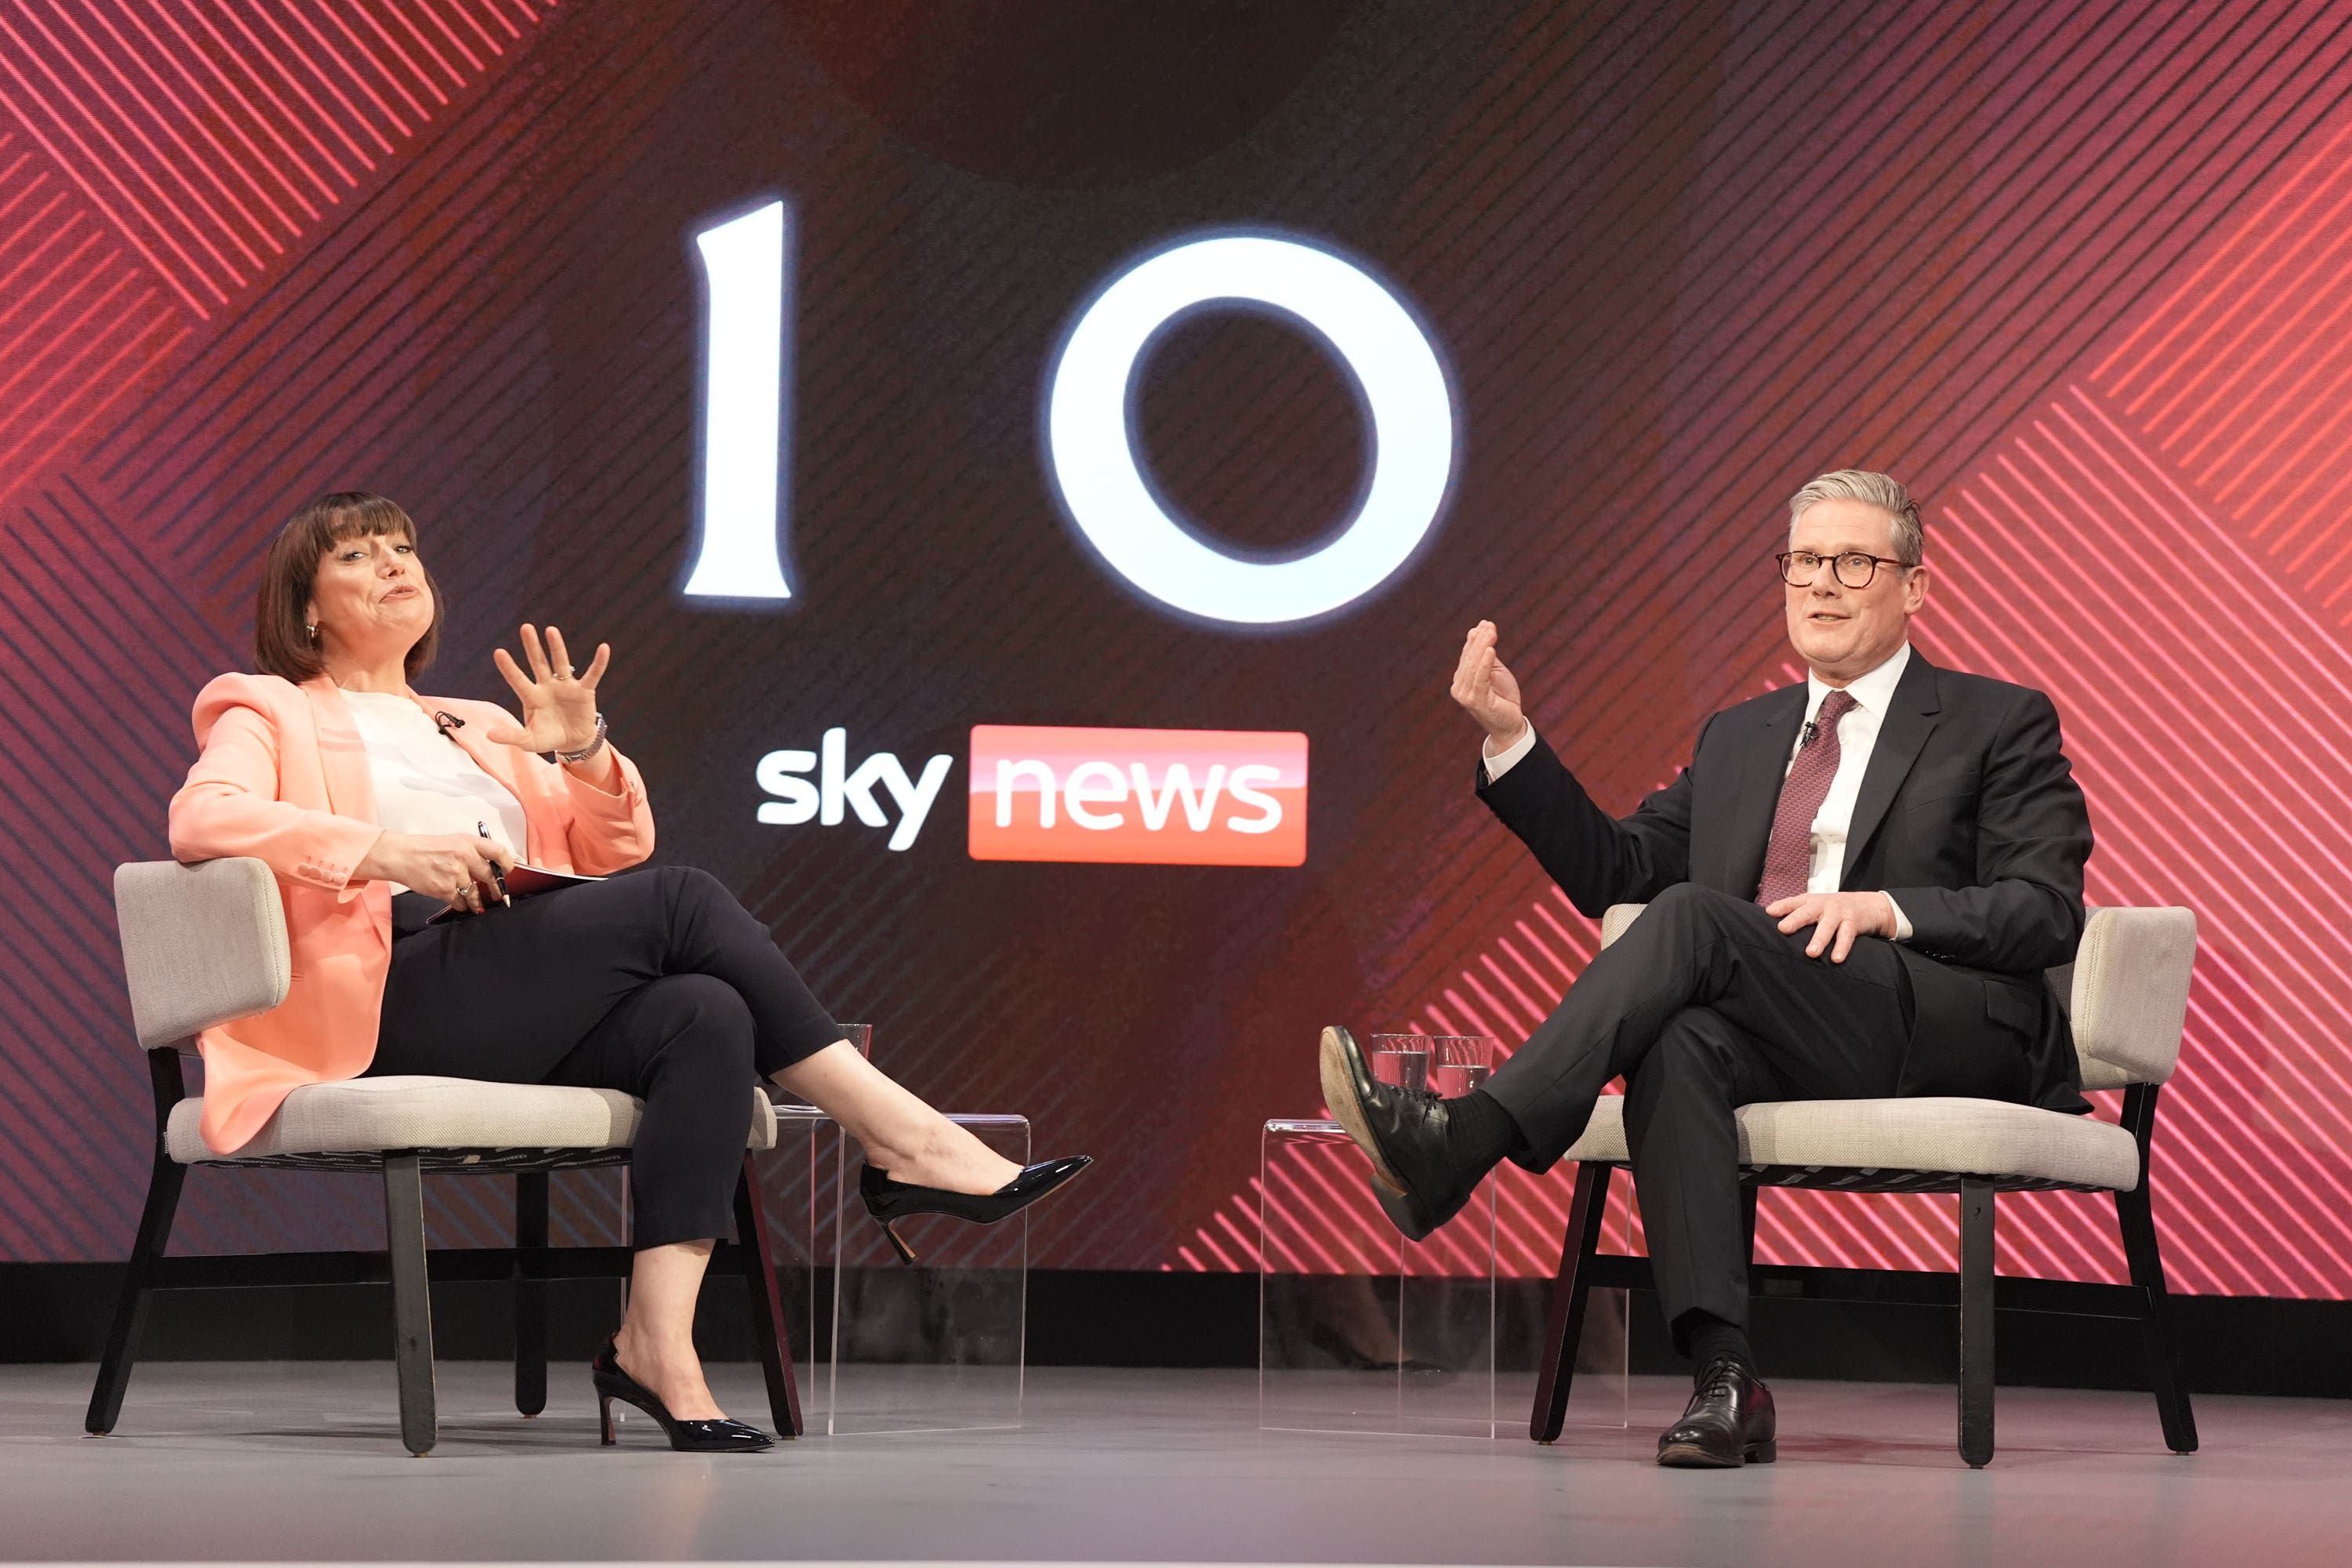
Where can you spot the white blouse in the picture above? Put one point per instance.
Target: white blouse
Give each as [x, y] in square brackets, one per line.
[424, 782]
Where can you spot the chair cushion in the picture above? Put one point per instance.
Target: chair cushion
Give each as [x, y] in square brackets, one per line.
[369, 1115]
[1970, 1137]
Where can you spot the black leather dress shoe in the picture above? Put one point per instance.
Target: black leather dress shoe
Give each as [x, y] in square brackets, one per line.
[1402, 1131]
[1729, 1424]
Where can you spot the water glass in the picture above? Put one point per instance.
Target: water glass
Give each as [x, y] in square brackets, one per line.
[1400, 1059]
[1458, 1064]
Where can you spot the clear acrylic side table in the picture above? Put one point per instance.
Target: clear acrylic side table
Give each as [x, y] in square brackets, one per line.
[1360, 1330]
[883, 1346]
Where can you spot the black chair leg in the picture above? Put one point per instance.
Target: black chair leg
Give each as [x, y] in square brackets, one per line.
[1747, 1196]
[531, 1295]
[1976, 1322]
[758, 1260]
[1564, 1324]
[412, 1300]
[138, 1289]
[2137, 1219]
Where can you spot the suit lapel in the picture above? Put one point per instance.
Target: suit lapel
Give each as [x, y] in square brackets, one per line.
[342, 754]
[1910, 720]
[1764, 763]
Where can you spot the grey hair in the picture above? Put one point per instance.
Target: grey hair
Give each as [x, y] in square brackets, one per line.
[1884, 491]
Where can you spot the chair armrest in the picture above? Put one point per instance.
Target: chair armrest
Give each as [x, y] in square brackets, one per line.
[2129, 993]
[1615, 919]
[200, 945]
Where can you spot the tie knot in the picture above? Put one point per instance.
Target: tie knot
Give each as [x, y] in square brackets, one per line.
[1835, 707]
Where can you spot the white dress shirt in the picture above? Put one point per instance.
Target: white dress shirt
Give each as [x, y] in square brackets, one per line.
[1857, 734]
[424, 783]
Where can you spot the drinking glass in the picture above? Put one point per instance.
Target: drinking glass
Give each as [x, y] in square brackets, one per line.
[1400, 1059]
[1458, 1064]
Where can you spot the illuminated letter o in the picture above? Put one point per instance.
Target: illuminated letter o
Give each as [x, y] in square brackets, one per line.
[1093, 463]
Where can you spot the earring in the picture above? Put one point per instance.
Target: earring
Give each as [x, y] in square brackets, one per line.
[314, 631]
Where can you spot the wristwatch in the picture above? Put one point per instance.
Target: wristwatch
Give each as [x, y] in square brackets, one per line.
[588, 750]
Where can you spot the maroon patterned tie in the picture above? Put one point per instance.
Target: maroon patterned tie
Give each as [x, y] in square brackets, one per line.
[1789, 859]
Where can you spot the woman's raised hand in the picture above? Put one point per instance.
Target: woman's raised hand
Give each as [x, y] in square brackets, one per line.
[461, 872]
[1489, 692]
[559, 707]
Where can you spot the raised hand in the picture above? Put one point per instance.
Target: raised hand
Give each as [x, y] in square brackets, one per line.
[1486, 691]
[559, 707]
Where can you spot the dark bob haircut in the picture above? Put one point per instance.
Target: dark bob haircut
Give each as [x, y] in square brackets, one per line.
[282, 644]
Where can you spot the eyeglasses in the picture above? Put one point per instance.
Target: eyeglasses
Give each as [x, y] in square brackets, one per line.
[1853, 568]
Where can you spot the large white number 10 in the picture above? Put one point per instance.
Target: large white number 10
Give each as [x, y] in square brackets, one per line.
[1089, 448]
[742, 553]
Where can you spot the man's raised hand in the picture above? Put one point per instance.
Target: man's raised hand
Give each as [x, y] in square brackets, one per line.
[1486, 691]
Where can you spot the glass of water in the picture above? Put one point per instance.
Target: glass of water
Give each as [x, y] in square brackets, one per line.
[1459, 1063]
[1400, 1059]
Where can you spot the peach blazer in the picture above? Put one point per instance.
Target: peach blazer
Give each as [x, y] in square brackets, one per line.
[284, 777]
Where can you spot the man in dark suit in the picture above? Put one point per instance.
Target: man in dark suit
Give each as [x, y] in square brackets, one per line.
[1853, 891]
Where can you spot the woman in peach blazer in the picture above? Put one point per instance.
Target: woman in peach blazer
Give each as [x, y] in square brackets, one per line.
[359, 793]
[284, 777]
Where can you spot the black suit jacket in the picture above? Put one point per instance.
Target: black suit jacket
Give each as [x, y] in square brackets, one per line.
[1969, 815]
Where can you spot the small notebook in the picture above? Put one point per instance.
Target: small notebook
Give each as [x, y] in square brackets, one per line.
[522, 882]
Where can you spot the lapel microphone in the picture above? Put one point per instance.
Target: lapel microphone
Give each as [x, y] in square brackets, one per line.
[445, 721]
[1804, 740]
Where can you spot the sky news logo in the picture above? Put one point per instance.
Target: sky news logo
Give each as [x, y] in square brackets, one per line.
[1156, 797]
[1142, 797]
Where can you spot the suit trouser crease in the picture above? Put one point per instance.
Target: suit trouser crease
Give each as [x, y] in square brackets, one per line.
[658, 984]
[1703, 1005]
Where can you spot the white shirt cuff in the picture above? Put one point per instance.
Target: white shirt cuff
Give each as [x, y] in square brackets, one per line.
[1503, 761]
[1902, 925]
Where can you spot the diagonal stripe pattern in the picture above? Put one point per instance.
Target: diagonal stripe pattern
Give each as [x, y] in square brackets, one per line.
[211, 137]
[2239, 376]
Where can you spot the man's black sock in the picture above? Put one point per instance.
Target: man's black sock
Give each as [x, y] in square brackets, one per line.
[1709, 1336]
[1483, 1132]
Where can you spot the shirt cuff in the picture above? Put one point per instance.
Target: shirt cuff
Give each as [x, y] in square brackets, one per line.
[1902, 925]
[1503, 761]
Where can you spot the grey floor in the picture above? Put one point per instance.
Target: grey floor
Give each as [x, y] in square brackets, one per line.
[262, 1461]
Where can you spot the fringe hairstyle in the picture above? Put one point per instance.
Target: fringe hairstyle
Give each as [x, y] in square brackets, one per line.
[282, 644]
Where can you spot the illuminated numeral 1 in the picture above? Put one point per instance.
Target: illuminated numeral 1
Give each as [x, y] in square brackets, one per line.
[741, 555]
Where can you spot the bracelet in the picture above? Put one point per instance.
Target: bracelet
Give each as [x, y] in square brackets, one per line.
[588, 750]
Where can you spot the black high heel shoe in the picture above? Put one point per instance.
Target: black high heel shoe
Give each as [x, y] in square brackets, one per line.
[890, 1200]
[719, 1437]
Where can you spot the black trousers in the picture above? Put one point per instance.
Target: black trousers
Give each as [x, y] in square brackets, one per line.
[1703, 1005]
[656, 982]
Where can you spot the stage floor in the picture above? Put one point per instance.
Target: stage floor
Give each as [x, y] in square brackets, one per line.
[280, 1461]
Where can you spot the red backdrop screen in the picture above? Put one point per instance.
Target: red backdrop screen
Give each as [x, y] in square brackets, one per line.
[2082, 276]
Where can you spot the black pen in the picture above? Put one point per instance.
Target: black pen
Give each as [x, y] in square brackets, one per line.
[495, 880]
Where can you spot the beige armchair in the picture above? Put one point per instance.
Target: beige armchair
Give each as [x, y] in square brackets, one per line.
[2126, 993]
[203, 945]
